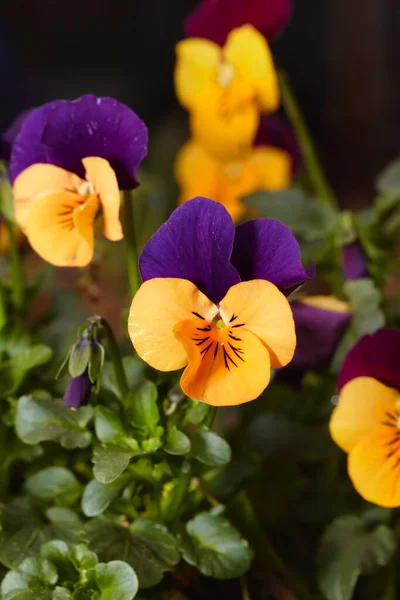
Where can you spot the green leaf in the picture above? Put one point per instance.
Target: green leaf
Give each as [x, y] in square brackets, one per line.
[79, 357]
[55, 484]
[57, 552]
[6, 196]
[142, 410]
[116, 579]
[388, 182]
[83, 558]
[98, 496]
[30, 580]
[210, 449]
[196, 412]
[46, 419]
[177, 442]
[14, 371]
[147, 546]
[110, 430]
[305, 216]
[349, 548]
[110, 462]
[96, 363]
[367, 316]
[215, 547]
[61, 593]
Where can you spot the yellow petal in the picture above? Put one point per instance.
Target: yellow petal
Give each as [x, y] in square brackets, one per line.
[261, 308]
[156, 308]
[225, 132]
[329, 303]
[193, 164]
[103, 178]
[271, 169]
[248, 50]
[364, 404]
[38, 180]
[60, 229]
[222, 373]
[196, 69]
[374, 467]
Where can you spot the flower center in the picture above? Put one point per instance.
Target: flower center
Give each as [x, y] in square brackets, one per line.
[219, 341]
[86, 189]
[226, 73]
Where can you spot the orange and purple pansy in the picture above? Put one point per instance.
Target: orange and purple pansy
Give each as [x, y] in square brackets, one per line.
[366, 422]
[69, 159]
[214, 301]
[214, 19]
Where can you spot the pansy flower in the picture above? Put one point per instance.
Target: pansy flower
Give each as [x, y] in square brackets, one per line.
[226, 89]
[214, 301]
[214, 19]
[366, 422]
[199, 173]
[320, 322]
[68, 161]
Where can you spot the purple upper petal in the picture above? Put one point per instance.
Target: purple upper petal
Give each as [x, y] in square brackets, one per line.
[63, 132]
[195, 244]
[214, 19]
[267, 249]
[275, 132]
[8, 138]
[355, 262]
[375, 355]
[318, 332]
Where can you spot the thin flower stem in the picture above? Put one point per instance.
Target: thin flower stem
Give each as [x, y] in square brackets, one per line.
[132, 257]
[315, 171]
[243, 587]
[116, 360]
[3, 311]
[210, 418]
[17, 292]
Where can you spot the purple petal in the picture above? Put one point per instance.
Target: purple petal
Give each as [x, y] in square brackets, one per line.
[78, 391]
[355, 262]
[275, 132]
[63, 132]
[267, 249]
[195, 244]
[214, 19]
[8, 138]
[375, 355]
[318, 332]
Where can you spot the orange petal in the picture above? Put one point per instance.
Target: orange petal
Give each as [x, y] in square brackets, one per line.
[38, 180]
[197, 63]
[193, 163]
[374, 467]
[223, 374]
[60, 229]
[271, 169]
[248, 50]
[156, 308]
[264, 311]
[102, 176]
[364, 404]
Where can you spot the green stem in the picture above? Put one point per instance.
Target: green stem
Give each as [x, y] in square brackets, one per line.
[249, 524]
[17, 293]
[315, 171]
[3, 311]
[131, 245]
[210, 418]
[244, 589]
[116, 360]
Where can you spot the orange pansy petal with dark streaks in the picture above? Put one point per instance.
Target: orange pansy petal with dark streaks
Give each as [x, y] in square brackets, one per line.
[264, 311]
[36, 181]
[155, 310]
[374, 467]
[100, 173]
[364, 405]
[60, 229]
[224, 369]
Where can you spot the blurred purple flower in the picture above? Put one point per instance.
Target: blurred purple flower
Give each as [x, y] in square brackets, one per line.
[78, 391]
[355, 262]
[320, 322]
[275, 132]
[214, 19]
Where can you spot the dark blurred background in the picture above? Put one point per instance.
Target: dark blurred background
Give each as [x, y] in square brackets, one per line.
[342, 57]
